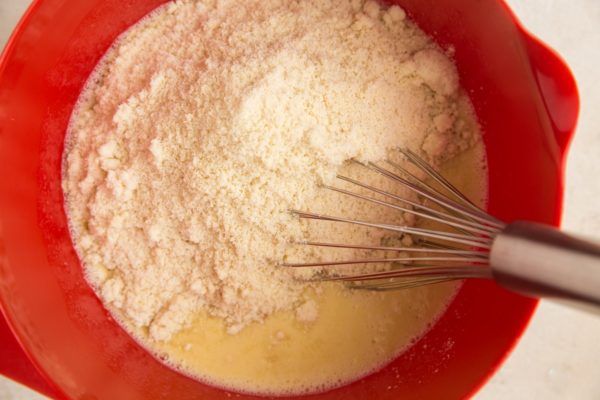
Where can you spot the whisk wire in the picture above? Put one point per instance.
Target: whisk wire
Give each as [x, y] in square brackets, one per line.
[480, 228]
[404, 284]
[455, 238]
[442, 256]
[443, 250]
[399, 260]
[436, 197]
[436, 271]
[433, 174]
[465, 228]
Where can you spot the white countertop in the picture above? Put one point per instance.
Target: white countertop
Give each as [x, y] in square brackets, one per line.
[559, 355]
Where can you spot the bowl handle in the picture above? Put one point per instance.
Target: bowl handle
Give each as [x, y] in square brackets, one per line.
[557, 86]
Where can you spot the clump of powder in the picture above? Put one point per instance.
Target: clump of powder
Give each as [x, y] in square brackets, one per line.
[208, 120]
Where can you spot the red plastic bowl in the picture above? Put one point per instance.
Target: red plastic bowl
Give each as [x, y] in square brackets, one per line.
[525, 98]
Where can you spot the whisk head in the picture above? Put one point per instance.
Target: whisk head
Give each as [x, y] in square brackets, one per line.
[460, 251]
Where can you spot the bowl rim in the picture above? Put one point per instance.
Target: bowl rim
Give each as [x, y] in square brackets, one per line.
[526, 34]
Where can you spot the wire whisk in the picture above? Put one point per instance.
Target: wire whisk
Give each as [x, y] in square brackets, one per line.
[530, 258]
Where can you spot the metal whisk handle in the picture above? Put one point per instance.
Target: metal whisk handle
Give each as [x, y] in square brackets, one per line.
[540, 261]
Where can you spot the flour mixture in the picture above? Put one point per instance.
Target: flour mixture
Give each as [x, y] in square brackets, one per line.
[201, 127]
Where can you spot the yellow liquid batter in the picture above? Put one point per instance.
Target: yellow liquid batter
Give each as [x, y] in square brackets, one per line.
[356, 332]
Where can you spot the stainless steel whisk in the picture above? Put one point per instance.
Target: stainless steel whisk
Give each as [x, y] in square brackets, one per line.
[529, 258]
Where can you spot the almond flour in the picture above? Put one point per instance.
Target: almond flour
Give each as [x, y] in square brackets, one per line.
[207, 120]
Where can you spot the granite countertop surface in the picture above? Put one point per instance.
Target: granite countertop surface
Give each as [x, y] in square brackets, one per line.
[559, 354]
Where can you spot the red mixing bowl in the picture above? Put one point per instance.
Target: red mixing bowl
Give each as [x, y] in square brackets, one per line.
[526, 101]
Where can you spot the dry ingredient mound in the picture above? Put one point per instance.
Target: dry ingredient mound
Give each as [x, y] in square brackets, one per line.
[208, 120]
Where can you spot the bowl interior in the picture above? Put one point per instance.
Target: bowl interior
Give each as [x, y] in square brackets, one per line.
[74, 342]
